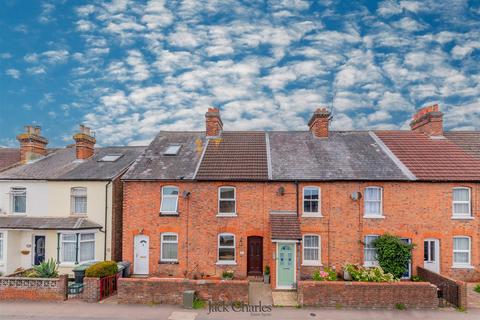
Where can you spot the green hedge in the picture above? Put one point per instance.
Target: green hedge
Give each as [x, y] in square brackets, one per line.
[102, 269]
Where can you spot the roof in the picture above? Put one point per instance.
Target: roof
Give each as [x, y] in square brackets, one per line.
[63, 165]
[47, 223]
[469, 141]
[341, 156]
[235, 156]
[433, 159]
[154, 165]
[285, 226]
[9, 157]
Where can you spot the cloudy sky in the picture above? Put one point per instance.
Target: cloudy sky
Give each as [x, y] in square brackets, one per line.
[131, 68]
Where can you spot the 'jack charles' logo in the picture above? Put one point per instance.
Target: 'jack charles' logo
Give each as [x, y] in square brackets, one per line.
[253, 309]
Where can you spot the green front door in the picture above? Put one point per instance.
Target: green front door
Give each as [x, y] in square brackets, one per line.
[286, 265]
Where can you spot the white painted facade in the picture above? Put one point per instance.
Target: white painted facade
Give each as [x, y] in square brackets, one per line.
[53, 199]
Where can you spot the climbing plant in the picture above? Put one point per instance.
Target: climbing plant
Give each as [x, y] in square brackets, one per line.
[393, 254]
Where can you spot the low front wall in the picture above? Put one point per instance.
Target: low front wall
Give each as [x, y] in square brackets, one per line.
[170, 291]
[454, 291]
[367, 294]
[34, 289]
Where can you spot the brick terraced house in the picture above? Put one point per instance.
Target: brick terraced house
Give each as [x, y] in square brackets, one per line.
[199, 203]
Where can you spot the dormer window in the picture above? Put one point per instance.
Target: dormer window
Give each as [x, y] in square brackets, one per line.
[172, 150]
[18, 199]
[111, 157]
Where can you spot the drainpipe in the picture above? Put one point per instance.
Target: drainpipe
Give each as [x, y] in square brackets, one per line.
[188, 210]
[296, 197]
[105, 225]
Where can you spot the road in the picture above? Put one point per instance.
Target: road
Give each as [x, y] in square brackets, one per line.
[77, 310]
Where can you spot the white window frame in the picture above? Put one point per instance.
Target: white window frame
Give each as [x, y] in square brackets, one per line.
[170, 196]
[319, 248]
[370, 215]
[227, 262]
[12, 200]
[467, 265]
[312, 214]
[469, 202]
[77, 248]
[234, 199]
[2, 246]
[73, 200]
[370, 263]
[162, 241]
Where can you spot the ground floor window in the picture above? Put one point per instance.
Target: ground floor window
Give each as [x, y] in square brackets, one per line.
[226, 248]
[370, 252]
[311, 250]
[461, 251]
[76, 247]
[169, 248]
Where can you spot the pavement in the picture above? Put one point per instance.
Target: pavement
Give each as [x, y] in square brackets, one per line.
[79, 310]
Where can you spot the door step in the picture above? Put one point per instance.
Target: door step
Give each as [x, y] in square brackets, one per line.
[255, 278]
[285, 298]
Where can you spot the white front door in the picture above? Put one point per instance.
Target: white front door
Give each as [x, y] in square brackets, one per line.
[431, 255]
[140, 263]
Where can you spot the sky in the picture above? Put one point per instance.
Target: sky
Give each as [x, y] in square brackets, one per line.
[129, 69]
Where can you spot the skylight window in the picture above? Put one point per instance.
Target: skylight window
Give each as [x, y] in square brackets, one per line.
[111, 157]
[172, 150]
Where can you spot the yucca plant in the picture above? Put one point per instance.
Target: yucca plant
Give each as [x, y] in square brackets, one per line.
[48, 269]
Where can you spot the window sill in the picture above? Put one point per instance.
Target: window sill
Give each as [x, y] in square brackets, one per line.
[462, 266]
[171, 214]
[312, 215]
[312, 264]
[16, 214]
[462, 218]
[168, 262]
[374, 217]
[226, 263]
[72, 214]
[226, 215]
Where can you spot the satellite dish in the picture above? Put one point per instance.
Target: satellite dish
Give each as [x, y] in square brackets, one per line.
[356, 196]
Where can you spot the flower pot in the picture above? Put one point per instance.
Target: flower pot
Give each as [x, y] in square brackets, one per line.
[266, 278]
[25, 252]
[347, 276]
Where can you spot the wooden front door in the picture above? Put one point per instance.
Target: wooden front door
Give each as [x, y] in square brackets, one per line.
[255, 256]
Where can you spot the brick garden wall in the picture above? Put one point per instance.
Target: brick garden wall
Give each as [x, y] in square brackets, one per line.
[170, 291]
[367, 294]
[454, 291]
[34, 289]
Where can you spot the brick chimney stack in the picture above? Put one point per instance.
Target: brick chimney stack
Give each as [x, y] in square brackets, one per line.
[428, 120]
[32, 144]
[319, 123]
[84, 143]
[213, 122]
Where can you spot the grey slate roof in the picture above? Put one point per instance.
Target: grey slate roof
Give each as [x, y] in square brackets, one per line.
[47, 223]
[63, 165]
[154, 165]
[342, 156]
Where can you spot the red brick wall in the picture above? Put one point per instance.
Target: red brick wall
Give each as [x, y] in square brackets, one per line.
[170, 291]
[412, 210]
[117, 217]
[91, 289]
[34, 289]
[367, 294]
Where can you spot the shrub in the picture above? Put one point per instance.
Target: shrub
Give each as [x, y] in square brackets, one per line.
[46, 269]
[102, 269]
[374, 274]
[227, 274]
[400, 306]
[267, 270]
[328, 274]
[477, 288]
[417, 279]
[393, 254]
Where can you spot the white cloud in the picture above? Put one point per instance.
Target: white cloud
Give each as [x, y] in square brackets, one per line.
[5, 55]
[14, 73]
[409, 24]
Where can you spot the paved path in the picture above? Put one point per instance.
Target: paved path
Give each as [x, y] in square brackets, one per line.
[259, 292]
[82, 311]
[473, 298]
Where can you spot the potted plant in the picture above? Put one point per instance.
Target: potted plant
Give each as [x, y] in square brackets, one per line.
[227, 275]
[266, 275]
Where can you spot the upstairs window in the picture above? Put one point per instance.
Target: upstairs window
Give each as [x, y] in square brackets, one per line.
[226, 201]
[461, 252]
[373, 202]
[19, 199]
[169, 247]
[78, 200]
[370, 252]
[226, 248]
[169, 203]
[311, 201]
[462, 203]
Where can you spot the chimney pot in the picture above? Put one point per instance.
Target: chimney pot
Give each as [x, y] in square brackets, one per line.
[32, 144]
[84, 143]
[428, 120]
[213, 122]
[319, 123]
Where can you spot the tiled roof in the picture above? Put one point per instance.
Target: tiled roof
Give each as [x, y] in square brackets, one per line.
[433, 159]
[350, 155]
[63, 165]
[155, 165]
[8, 157]
[47, 223]
[235, 156]
[467, 140]
[285, 226]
